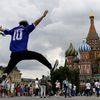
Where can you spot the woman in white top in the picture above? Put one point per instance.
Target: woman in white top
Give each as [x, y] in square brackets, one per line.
[88, 88]
[57, 83]
[36, 87]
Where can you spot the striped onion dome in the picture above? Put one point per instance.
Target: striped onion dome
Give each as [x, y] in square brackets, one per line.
[71, 51]
[84, 47]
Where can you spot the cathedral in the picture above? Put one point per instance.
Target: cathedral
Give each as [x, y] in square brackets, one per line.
[88, 61]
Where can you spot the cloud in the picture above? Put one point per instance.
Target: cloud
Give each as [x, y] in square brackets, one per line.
[67, 21]
[16, 10]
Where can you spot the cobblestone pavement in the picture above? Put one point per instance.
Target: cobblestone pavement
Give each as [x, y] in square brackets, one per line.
[52, 98]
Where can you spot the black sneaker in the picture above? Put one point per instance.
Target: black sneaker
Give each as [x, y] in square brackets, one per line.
[55, 65]
[52, 70]
[3, 77]
[1, 80]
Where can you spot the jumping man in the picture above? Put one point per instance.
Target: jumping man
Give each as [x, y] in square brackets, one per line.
[18, 45]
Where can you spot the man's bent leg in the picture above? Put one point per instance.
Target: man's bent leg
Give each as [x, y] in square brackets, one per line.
[12, 63]
[7, 70]
[14, 59]
[37, 56]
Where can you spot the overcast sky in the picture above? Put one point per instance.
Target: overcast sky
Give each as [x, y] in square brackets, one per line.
[67, 21]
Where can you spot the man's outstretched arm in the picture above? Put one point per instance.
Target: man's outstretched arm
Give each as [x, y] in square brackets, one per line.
[40, 19]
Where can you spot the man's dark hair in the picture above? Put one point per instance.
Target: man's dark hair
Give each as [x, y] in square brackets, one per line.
[23, 23]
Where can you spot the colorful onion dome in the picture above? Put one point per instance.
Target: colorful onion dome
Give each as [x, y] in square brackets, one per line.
[76, 60]
[84, 47]
[71, 51]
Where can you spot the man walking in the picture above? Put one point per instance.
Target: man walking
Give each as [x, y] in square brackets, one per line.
[43, 83]
[65, 85]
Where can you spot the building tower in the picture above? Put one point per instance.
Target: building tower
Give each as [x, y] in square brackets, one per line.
[94, 41]
[85, 62]
[92, 38]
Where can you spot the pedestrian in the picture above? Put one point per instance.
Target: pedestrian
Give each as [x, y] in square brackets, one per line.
[88, 88]
[30, 90]
[49, 88]
[37, 87]
[69, 89]
[65, 85]
[18, 88]
[22, 90]
[43, 84]
[74, 90]
[18, 45]
[97, 87]
[57, 83]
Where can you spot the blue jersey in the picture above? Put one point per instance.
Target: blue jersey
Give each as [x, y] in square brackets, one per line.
[19, 37]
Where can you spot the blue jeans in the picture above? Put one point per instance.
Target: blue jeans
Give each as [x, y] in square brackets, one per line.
[65, 90]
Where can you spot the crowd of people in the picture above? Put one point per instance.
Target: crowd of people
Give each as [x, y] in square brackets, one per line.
[91, 88]
[42, 88]
[67, 88]
[11, 89]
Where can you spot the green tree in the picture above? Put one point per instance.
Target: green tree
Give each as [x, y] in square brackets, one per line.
[63, 72]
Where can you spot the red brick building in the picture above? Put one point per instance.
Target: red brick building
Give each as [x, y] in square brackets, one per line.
[89, 55]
